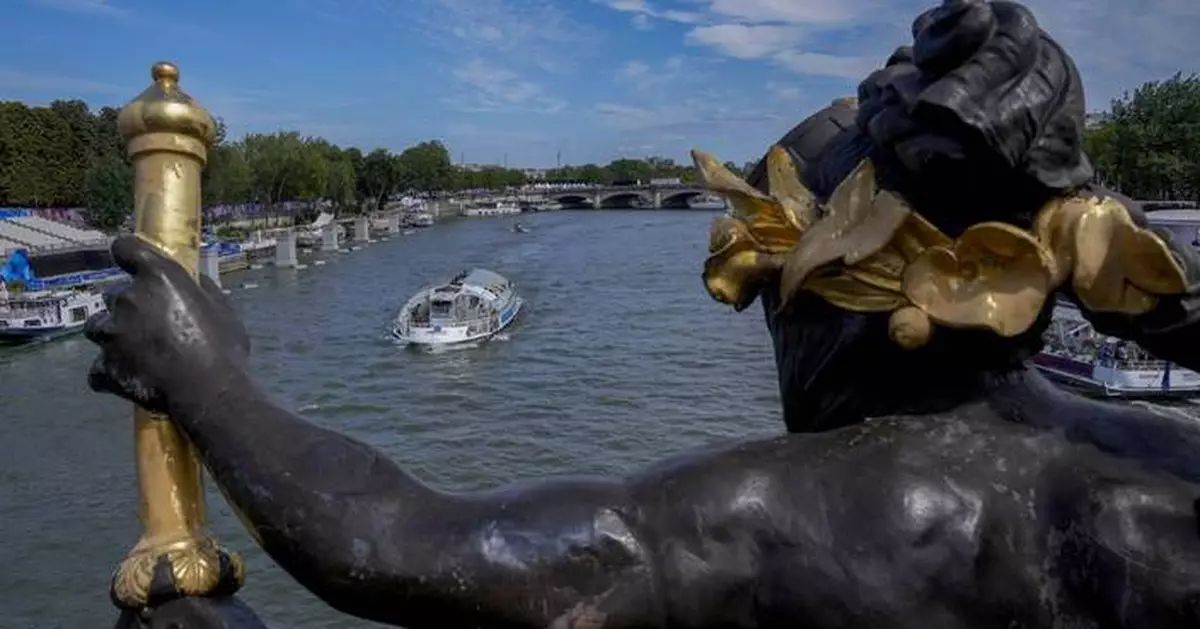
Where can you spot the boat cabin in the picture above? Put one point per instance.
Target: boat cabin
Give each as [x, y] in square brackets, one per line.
[48, 311]
[469, 297]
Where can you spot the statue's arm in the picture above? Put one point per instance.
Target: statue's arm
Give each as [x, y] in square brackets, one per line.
[1172, 330]
[373, 541]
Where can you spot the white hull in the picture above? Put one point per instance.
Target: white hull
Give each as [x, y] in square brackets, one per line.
[454, 335]
[1077, 355]
[470, 309]
[47, 315]
[499, 209]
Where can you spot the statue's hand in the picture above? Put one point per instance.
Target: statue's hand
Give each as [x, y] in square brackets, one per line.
[163, 333]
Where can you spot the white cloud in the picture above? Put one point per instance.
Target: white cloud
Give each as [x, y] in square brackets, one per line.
[643, 12]
[783, 91]
[54, 86]
[816, 64]
[787, 11]
[493, 88]
[673, 71]
[100, 7]
[744, 41]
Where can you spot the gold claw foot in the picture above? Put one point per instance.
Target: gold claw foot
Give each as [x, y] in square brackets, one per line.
[153, 574]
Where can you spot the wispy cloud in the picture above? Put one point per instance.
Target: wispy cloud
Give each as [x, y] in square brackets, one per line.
[97, 7]
[53, 86]
[674, 72]
[495, 89]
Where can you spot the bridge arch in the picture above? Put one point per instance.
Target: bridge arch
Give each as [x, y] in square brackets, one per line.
[678, 200]
[625, 199]
[575, 201]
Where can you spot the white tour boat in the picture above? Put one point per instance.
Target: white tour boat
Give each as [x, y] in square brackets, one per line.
[499, 208]
[707, 202]
[44, 315]
[471, 308]
[1078, 355]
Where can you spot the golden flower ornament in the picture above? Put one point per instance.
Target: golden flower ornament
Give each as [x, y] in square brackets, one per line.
[866, 250]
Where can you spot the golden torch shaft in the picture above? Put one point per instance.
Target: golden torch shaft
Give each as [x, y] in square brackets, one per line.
[167, 213]
[167, 136]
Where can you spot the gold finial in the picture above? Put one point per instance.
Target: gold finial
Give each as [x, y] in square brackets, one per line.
[164, 108]
[166, 135]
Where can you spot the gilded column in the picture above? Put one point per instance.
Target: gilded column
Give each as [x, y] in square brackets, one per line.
[167, 136]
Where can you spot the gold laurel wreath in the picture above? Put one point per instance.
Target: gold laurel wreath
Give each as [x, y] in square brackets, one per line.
[866, 250]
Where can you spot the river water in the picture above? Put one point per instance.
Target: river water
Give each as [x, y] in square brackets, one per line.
[619, 359]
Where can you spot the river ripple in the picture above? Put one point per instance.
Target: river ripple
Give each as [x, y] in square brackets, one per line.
[619, 359]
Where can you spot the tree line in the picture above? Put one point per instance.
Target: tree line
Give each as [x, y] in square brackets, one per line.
[65, 155]
[1147, 145]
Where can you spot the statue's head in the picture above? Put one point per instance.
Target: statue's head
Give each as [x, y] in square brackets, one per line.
[983, 106]
[939, 253]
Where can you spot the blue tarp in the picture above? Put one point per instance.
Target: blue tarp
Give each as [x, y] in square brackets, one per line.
[223, 248]
[17, 270]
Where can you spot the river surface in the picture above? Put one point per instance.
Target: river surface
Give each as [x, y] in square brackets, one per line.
[619, 359]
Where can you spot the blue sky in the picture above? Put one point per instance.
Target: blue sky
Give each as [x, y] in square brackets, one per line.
[525, 79]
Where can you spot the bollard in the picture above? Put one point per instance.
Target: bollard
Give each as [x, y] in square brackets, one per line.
[285, 249]
[362, 229]
[210, 264]
[329, 238]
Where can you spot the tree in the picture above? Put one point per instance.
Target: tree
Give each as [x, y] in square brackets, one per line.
[427, 166]
[1148, 144]
[228, 178]
[109, 192]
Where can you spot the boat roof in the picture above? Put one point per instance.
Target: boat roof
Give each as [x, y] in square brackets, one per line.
[484, 278]
[1174, 216]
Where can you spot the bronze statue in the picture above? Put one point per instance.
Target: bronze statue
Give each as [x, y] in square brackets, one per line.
[907, 263]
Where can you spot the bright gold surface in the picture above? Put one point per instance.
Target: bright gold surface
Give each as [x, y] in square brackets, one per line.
[866, 250]
[994, 276]
[166, 134]
[1114, 265]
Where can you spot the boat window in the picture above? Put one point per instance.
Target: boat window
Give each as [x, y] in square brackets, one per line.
[78, 314]
[440, 308]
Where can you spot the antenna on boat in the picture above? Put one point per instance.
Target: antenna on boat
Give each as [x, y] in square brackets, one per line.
[167, 136]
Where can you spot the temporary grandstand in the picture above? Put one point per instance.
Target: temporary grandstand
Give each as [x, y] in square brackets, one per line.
[22, 229]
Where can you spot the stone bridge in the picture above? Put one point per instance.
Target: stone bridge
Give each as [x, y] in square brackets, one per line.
[664, 197]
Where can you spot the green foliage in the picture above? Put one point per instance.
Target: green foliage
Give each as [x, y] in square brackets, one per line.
[624, 170]
[109, 186]
[1148, 144]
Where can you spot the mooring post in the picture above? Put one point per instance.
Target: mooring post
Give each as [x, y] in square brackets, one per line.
[285, 249]
[167, 136]
[362, 229]
[210, 264]
[329, 238]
